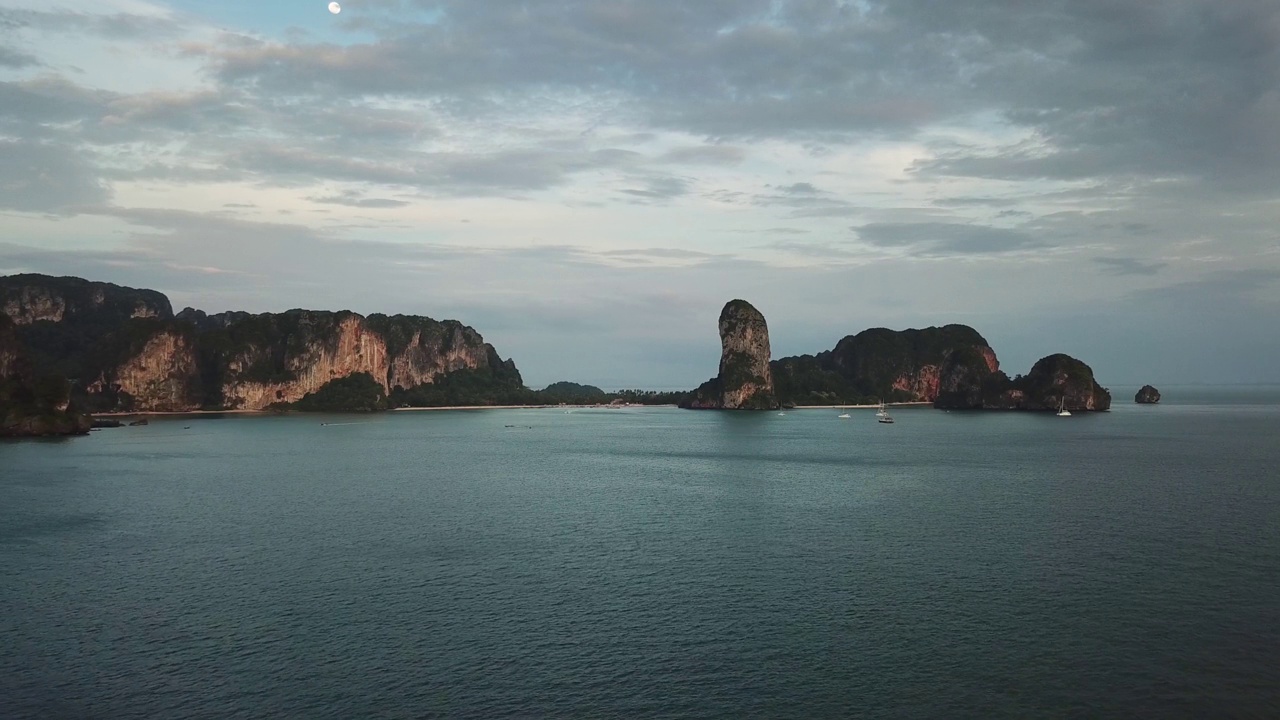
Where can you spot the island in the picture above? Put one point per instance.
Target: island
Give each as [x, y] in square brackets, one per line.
[105, 349]
[745, 380]
[1147, 396]
[950, 367]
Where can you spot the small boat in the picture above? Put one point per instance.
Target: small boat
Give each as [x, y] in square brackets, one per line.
[883, 416]
[1062, 407]
[843, 416]
[782, 413]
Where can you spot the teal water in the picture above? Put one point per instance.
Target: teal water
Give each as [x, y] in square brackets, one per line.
[650, 563]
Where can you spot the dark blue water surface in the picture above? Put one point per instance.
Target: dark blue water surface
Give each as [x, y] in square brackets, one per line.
[650, 563]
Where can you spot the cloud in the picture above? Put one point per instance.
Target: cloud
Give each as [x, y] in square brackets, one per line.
[37, 177]
[353, 199]
[661, 188]
[1128, 266]
[935, 238]
[589, 140]
[14, 59]
[800, 188]
[115, 25]
[704, 155]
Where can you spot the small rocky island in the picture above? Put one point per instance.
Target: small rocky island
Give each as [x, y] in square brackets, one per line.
[1148, 395]
[745, 381]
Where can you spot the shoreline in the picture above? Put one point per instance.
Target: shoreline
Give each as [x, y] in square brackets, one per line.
[176, 413]
[179, 413]
[860, 407]
[522, 407]
[162, 413]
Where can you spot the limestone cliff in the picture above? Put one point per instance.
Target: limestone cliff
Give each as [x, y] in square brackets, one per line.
[1147, 396]
[162, 375]
[745, 381]
[281, 358]
[124, 350]
[1054, 379]
[12, 355]
[421, 349]
[28, 299]
[923, 365]
[262, 360]
[31, 404]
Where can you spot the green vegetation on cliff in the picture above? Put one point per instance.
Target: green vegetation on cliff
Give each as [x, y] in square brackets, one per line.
[1054, 379]
[479, 386]
[355, 393]
[865, 368]
[32, 404]
[571, 392]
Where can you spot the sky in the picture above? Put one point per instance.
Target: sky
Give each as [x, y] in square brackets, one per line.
[587, 182]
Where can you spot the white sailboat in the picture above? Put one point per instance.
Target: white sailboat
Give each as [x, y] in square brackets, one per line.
[882, 415]
[843, 415]
[1062, 407]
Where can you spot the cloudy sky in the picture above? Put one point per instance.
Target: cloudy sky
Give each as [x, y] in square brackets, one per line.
[586, 182]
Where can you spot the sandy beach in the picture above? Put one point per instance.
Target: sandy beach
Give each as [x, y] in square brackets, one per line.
[858, 407]
[150, 413]
[524, 407]
[401, 409]
[476, 407]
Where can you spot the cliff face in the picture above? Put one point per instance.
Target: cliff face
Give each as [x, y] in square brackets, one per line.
[899, 366]
[12, 356]
[32, 405]
[300, 353]
[1147, 396]
[421, 349]
[163, 376]
[27, 299]
[269, 359]
[126, 351]
[745, 381]
[1053, 379]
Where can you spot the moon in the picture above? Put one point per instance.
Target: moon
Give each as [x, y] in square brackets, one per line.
[335, 8]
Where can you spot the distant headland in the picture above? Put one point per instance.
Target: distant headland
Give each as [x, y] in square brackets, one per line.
[951, 367]
[71, 348]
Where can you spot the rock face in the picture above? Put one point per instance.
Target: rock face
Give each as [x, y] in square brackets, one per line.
[1053, 379]
[949, 362]
[1147, 396]
[745, 381]
[422, 349]
[32, 405]
[124, 350]
[27, 299]
[162, 375]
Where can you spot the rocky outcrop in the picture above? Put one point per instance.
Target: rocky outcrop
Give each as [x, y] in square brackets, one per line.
[12, 355]
[1054, 379]
[32, 405]
[28, 299]
[422, 349]
[125, 351]
[949, 362]
[307, 351]
[745, 381]
[1147, 396]
[162, 376]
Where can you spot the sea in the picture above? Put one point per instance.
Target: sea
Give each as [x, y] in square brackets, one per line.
[650, 563]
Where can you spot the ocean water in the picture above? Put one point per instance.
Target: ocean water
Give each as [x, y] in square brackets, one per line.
[650, 563]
